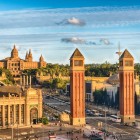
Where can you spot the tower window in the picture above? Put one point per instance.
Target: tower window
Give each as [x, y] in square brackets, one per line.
[78, 63]
[128, 63]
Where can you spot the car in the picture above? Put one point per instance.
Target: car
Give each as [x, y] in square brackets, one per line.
[47, 97]
[101, 115]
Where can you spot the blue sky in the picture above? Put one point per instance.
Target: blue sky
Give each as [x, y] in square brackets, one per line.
[55, 29]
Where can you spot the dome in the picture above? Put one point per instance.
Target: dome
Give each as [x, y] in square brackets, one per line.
[14, 52]
[114, 79]
[15, 49]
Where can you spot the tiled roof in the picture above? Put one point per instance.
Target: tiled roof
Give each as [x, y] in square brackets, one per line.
[77, 54]
[10, 89]
[126, 54]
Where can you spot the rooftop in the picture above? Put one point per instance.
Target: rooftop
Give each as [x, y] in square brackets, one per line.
[77, 54]
[126, 54]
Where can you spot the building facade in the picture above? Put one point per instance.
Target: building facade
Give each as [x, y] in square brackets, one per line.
[77, 88]
[15, 64]
[127, 92]
[19, 107]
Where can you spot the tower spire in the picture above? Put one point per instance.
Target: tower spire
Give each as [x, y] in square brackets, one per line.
[30, 58]
[41, 58]
[26, 56]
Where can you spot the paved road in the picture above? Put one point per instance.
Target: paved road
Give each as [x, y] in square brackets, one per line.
[120, 130]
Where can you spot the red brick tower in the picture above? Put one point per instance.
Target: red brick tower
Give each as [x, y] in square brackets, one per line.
[77, 88]
[126, 74]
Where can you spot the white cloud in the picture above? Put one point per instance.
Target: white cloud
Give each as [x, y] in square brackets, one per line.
[77, 40]
[75, 21]
[73, 40]
[105, 41]
[72, 21]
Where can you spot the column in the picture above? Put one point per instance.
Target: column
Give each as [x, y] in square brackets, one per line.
[30, 81]
[14, 114]
[27, 80]
[19, 114]
[27, 114]
[9, 123]
[3, 116]
[23, 80]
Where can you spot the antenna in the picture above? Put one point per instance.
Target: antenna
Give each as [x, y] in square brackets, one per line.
[119, 52]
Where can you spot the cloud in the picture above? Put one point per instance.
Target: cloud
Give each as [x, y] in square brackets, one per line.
[72, 21]
[105, 41]
[77, 40]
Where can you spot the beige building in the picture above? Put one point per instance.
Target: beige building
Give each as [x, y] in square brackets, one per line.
[15, 64]
[19, 107]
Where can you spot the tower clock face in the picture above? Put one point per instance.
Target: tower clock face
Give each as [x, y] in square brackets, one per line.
[78, 63]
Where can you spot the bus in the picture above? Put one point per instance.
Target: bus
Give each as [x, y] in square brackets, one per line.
[95, 112]
[115, 118]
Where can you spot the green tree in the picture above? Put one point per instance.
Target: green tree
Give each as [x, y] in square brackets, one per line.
[117, 99]
[45, 120]
[112, 100]
[10, 79]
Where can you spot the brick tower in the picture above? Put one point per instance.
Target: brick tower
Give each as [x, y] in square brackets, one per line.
[77, 88]
[126, 74]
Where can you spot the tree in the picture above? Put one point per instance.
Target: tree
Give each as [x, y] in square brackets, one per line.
[136, 104]
[101, 97]
[117, 99]
[112, 100]
[10, 79]
[45, 120]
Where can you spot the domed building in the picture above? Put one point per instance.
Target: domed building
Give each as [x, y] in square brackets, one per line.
[114, 79]
[15, 64]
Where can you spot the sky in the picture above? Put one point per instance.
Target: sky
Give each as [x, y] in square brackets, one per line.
[56, 28]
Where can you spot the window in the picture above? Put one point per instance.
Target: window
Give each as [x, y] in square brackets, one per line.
[128, 63]
[78, 63]
[11, 113]
[22, 113]
[6, 115]
[17, 113]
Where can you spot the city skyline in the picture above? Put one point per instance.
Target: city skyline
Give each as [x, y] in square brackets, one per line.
[56, 29]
